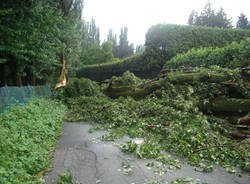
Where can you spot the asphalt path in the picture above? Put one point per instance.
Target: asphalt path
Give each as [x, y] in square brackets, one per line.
[93, 161]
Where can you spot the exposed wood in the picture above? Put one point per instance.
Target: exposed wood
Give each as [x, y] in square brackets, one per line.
[63, 78]
[244, 121]
[240, 136]
[176, 78]
[241, 126]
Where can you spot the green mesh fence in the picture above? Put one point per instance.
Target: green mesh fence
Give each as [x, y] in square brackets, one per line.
[14, 95]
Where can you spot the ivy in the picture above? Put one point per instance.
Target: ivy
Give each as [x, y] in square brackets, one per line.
[28, 134]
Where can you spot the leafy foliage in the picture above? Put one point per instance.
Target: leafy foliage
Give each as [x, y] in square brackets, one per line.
[170, 117]
[28, 134]
[29, 42]
[162, 43]
[33, 35]
[127, 79]
[208, 17]
[136, 64]
[97, 54]
[78, 87]
[230, 56]
[165, 41]
[243, 22]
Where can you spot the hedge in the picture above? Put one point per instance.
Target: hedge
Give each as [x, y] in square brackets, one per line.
[164, 41]
[231, 56]
[135, 64]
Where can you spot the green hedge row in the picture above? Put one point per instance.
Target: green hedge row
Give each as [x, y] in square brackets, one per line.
[164, 41]
[231, 56]
[28, 134]
[135, 64]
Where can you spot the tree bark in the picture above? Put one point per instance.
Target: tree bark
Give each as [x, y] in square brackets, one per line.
[179, 78]
[221, 104]
[224, 104]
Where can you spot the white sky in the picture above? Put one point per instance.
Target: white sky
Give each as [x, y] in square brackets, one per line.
[140, 15]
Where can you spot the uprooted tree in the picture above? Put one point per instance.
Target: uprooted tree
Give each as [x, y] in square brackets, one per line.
[219, 91]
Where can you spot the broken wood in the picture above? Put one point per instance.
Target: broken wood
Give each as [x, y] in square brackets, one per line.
[142, 91]
[63, 79]
[244, 121]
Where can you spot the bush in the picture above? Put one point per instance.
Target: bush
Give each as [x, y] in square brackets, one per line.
[28, 134]
[127, 79]
[78, 87]
[230, 56]
[164, 41]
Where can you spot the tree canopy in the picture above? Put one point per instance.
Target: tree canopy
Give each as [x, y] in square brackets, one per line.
[243, 22]
[33, 34]
[209, 17]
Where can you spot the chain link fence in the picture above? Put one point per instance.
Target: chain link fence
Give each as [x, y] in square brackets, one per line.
[14, 95]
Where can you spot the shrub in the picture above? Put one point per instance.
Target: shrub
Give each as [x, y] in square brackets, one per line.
[230, 56]
[28, 134]
[78, 87]
[126, 79]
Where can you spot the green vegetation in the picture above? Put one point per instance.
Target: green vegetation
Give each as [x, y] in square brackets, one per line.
[169, 118]
[78, 87]
[243, 22]
[28, 134]
[126, 79]
[35, 37]
[182, 112]
[137, 63]
[209, 17]
[231, 56]
[165, 41]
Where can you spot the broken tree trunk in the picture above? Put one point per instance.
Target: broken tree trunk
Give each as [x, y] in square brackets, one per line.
[225, 104]
[175, 78]
[63, 79]
[221, 104]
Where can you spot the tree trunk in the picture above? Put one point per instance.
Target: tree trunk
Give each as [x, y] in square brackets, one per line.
[221, 104]
[179, 78]
[224, 104]
[63, 79]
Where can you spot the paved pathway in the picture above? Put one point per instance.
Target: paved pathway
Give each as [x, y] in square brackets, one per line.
[92, 161]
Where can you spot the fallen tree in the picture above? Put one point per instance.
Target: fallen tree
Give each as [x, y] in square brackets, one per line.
[180, 79]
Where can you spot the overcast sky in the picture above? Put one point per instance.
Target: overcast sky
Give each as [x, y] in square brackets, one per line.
[140, 15]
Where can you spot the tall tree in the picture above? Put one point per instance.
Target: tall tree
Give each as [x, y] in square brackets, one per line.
[208, 17]
[70, 33]
[243, 22]
[113, 39]
[124, 48]
[192, 16]
[28, 41]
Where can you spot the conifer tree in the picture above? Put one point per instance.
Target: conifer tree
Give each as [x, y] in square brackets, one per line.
[243, 22]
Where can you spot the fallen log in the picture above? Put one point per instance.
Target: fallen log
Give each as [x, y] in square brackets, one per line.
[142, 91]
[225, 104]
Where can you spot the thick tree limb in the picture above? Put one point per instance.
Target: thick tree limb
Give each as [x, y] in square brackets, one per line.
[224, 104]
